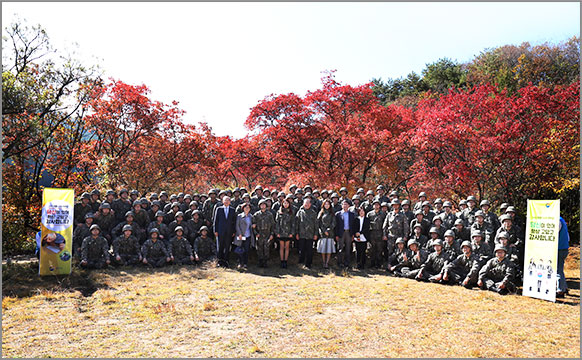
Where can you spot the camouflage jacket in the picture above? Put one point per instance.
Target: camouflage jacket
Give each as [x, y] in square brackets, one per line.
[285, 223]
[498, 271]
[435, 262]
[154, 250]
[126, 246]
[376, 220]
[205, 247]
[396, 225]
[95, 249]
[180, 247]
[265, 224]
[465, 265]
[306, 223]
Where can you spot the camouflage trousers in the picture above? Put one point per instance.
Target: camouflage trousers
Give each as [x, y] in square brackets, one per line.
[95, 264]
[491, 285]
[184, 260]
[409, 273]
[378, 248]
[263, 247]
[127, 260]
[157, 261]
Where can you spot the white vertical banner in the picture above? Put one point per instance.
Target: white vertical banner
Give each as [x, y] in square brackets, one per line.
[541, 249]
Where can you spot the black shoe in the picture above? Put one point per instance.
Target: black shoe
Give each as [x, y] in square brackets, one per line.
[282, 264]
[285, 264]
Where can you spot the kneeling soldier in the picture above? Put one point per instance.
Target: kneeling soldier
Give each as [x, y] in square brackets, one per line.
[180, 249]
[417, 257]
[126, 248]
[434, 264]
[204, 246]
[498, 273]
[464, 269]
[95, 250]
[400, 257]
[154, 252]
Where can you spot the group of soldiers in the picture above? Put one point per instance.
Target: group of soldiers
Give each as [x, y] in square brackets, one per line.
[467, 244]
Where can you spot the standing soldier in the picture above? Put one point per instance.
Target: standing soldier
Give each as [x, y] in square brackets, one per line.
[82, 208]
[126, 248]
[507, 226]
[381, 194]
[81, 232]
[468, 215]
[195, 224]
[154, 252]
[395, 226]
[163, 199]
[461, 232]
[368, 202]
[180, 249]
[285, 229]
[490, 217]
[448, 216]
[498, 274]
[257, 195]
[306, 232]
[336, 205]
[156, 206]
[421, 200]
[95, 200]
[377, 237]
[343, 194]
[438, 206]
[106, 221]
[277, 205]
[95, 250]
[121, 206]
[406, 210]
[428, 214]
[464, 269]
[140, 214]
[133, 195]
[208, 208]
[109, 198]
[264, 228]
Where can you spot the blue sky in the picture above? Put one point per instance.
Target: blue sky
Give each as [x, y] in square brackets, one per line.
[219, 59]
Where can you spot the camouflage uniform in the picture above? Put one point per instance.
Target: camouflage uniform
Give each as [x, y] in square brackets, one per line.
[141, 218]
[164, 232]
[495, 272]
[120, 206]
[208, 210]
[425, 226]
[285, 223]
[95, 251]
[306, 228]
[415, 261]
[485, 229]
[127, 249]
[265, 227]
[448, 220]
[433, 265]
[453, 249]
[106, 223]
[80, 210]
[205, 248]
[482, 252]
[138, 232]
[376, 237]
[155, 252]
[396, 261]
[81, 232]
[468, 216]
[395, 226]
[181, 250]
[462, 267]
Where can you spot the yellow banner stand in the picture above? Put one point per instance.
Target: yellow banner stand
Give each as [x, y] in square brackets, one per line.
[56, 231]
[541, 249]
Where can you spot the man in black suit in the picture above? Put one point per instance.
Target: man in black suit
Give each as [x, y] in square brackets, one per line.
[344, 233]
[224, 229]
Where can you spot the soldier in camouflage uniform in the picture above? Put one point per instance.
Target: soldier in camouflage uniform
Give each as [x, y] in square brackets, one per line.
[464, 269]
[158, 223]
[490, 217]
[195, 224]
[335, 203]
[208, 208]
[95, 250]
[512, 253]
[246, 199]
[399, 258]
[285, 229]
[95, 200]
[419, 219]
[106, 221]
[434, 236]
[306, 232]
[418, 236]
[448, 216]
[416, 257]
[480, 248]
[138, 232]
[368, 203]
[462, 207]
[121, 206]
[451, 245]
[154, 251]
[438, 207]
[140, 215]
[421, 200]
[434, 264]
[154, 208]
[427, 212]
[258, 196]
[126, 248]
[482, 226]
[264, 228]
[356, 202]
[204, 247]
[81, 232]
[468, 214]
[180, 249]
[461, 232]
[507, 226]
[381, 194]
[407, 212]
[377, 237]
[498, 274]
[82, 208]
[179, 221]
[395, 226]
[437, 222]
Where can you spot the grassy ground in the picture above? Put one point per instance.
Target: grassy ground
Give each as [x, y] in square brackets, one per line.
[213, 312]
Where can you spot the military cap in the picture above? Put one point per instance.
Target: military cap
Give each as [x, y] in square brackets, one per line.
[380, 187]
[130, 213]
[437, 218]
[228, 192]
[480, 213]
[203, 195]
[418, 212]
[395, 202]
[178, 228]
[450, 233]
[324, 191]
[476, 233]
[174, 204]
[360, 190]
[221, 192]
[316, 192]
[154, 230]
[136, 202]
[307, 187]
[504, 217]
[157, 203]
[105, 205]
[211, 191]
[463, 202]
[343, 189]
[127, 227]
[393, 193]
[196, 195]
[334, 195]
[95, 192]
[193, 204]
[422, 193]
[459, 222]
[181, 195]
[299, 191]
[110, 192]
[243, 189]
[309, 195]
[86, 195]
[466, 243]
[179, 213]
[160, 213]
[438, 201]
[384, 204]
[236, 189]
[263, 201]
[484, 202]
[123, 191]
[437, 242]
[94, 226]
[405, 202]
[447, 204]
[204, 228]
[369, 192]
[89, 215]
[196, 212]
[500, 247]
[258, 187]
[281, 194]
[416, 225]
[503, 234]
[154, 196]
[144, 201]
[425, 203]
[503, 206]
[376, 201]
[412, 241]
[346, 201]
[267, 191]
[356, 197]
[163, 193]
[289, 197]
[399, 240]
[173, 197]
[510, 209]
[134, 192]
[471, 198]
[433, 230]
[292, 186]
[188, 196]
[246, 195]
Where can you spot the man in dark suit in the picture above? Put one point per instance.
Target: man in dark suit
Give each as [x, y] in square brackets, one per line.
[224, 229]
[344, 233]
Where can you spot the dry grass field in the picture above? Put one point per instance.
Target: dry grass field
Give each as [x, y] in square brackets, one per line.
[213, 312]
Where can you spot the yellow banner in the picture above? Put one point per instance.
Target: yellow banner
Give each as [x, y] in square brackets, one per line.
[541, 249]
[56, 231]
